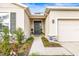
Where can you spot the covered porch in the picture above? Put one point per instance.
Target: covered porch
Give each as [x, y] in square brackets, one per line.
[37, 24]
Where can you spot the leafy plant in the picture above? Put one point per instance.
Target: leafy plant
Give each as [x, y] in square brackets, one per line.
[19, 35]
[29, 40]
[5, 43]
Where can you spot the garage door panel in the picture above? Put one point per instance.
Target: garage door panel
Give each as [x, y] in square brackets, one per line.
[68, 30]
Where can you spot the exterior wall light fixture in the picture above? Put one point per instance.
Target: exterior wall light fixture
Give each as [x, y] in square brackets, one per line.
[53, 21]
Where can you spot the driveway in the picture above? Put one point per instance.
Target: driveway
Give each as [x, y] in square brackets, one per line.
[72, 47]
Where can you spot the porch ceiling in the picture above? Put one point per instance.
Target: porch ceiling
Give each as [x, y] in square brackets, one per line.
[38, 16]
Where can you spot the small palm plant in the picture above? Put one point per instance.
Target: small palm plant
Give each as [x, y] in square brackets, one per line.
[19, 35]
[5, 43]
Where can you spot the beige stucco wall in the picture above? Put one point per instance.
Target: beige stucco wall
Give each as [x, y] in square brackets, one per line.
[66, 14]
[27, 26]
[51, 29]
[47, 26]
[19, 14]
[22, 19]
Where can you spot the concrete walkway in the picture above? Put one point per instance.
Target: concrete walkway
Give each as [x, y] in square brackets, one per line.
[39, 49]
[37, 46]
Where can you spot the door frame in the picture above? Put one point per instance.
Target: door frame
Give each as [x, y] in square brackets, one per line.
[39, 22]
[42, 23]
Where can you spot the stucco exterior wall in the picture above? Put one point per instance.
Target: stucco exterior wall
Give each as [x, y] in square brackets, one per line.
[66, 14]
[22, 19]
[47, 26]
[19, 16]
[51, 29]
[27, 26]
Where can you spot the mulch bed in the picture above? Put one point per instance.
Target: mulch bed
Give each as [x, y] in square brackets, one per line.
[50, 44]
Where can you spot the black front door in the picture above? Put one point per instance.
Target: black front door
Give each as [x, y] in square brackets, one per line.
[37, 27]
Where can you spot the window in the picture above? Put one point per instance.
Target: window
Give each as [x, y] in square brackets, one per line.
[53, 21]
[8, 20]
[4, 20]
[12, 22]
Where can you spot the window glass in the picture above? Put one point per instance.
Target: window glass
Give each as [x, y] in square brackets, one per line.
[8, 20]
[12, 21]
[4, 20]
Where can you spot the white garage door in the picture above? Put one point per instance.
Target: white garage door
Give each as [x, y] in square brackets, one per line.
[68, 30]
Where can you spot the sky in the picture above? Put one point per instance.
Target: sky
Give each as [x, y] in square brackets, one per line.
[40, 7]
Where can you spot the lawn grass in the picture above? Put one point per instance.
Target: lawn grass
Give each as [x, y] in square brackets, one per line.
[23, 49]
[49, 44]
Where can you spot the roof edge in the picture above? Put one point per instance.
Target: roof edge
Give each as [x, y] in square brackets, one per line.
[59, 8]
[26, 9]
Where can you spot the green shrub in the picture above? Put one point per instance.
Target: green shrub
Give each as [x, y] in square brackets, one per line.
[42, 33]
[5, 48]
[5, 44]
[0, 47]
[29, 40]
[19, 35]
[44, 39]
